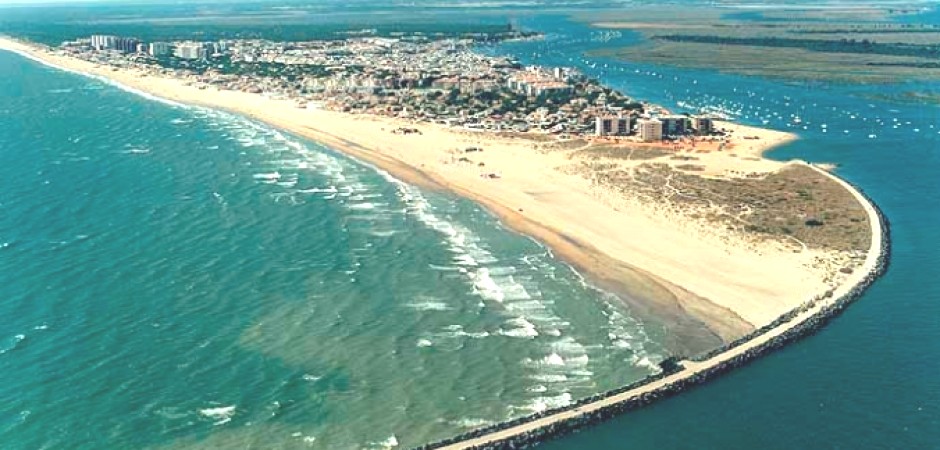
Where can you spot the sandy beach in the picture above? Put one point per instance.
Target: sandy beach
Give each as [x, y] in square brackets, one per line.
[703, 283]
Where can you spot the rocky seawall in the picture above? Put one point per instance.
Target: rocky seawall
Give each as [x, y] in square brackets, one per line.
[682, 375]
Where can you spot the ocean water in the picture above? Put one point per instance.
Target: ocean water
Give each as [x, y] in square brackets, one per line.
[140, 310]
[175, 277]
[869, 380]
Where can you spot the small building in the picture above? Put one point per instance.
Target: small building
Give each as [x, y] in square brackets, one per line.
[651, 130]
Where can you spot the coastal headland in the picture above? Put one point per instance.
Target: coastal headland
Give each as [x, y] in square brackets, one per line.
[720, 247]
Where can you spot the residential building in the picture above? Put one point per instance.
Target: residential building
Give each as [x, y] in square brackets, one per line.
[703, 125]
[190, 50]
[674, 125]
[611, 126]
[126, 45]
[624, 126]
[650, 130]
[159, 49]
[103, 42]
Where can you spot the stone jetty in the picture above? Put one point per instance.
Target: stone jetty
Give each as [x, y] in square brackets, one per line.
[678, 376]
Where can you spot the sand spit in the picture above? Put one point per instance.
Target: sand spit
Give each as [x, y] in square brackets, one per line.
[682, 375]
[705, 285]
[711, 286]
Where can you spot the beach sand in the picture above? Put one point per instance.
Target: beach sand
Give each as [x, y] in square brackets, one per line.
[702, 284]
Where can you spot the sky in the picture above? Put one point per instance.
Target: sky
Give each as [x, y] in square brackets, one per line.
[50, 2]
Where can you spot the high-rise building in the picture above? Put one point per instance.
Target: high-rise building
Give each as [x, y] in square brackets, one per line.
[103, 42]
[122, 44]
[217, 47]
[611, 126]
[603, 126]
[190, 50]
[703, 125]
[624, 125]
[126, 45]
[159, 49]
[651, 130]
[674, 125]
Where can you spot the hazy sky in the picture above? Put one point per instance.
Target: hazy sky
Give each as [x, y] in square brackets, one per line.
[47, 2]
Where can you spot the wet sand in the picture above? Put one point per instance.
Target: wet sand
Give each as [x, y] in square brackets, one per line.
[701, 289]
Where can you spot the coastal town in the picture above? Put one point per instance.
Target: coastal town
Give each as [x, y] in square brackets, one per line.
[444, 81]
[531, 141]
[731, 254]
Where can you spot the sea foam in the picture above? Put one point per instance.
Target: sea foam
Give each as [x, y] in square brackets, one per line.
[221, 415]
[105, 80]
[11, 343]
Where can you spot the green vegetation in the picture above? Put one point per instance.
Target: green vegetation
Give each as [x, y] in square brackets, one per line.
[225, 65]
[798, 45]
[783, 63]
[869, 29]
[796, 203]
[863, 46]
[909, 97]
[166, 22]
[615, 152]
[55, 34]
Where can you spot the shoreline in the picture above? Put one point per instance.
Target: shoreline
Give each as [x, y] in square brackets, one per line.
[725, 291]
[609, 273]
[632, 286]
[800, 322]
[691, 322]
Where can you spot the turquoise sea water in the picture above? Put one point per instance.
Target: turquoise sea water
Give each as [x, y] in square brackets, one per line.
[149, 306]
[870, 378]
[174, 277]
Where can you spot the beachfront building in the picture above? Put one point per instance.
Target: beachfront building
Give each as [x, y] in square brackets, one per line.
[391, 77]
[159, 49]
[703, 125]
[650, 130]
[126, 45]
[190, 50]
[103, 42]
[611, 126]
[674, 125]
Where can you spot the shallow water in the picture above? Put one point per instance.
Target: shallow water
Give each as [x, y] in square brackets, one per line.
[179, 277]
[139, 309]
[868, 380]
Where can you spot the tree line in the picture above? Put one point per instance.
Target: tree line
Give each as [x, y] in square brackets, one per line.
[863, 46]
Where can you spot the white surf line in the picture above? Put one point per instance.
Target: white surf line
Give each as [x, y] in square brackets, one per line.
[696, 370]
[5, 44]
